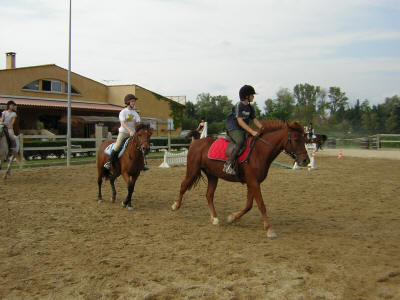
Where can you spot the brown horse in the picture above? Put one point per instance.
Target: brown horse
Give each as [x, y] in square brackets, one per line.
[319, 140]
[273, 138]
[129, 164]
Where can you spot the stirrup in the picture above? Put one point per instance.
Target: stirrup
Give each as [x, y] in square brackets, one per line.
[107, 165]
[228, 169]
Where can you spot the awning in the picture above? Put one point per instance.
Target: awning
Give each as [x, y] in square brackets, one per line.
[105, 119]
[23, 102]
[92, 119]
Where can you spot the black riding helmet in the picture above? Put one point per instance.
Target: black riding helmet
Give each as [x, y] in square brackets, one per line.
[246, 91]
[129, 97]
[9, 103]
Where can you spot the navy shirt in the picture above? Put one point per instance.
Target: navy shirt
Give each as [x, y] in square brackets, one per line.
[240, 110]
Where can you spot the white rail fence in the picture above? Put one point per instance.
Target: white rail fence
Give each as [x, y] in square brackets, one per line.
[59, 151]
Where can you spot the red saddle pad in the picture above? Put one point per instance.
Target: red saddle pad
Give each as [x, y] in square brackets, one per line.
[217, 150]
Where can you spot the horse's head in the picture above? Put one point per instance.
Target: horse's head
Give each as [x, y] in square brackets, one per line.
[295, 144]
[143, 134]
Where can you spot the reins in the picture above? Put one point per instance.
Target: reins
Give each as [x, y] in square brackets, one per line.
[289, 140]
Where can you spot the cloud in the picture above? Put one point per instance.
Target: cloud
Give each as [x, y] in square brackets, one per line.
[193, 46]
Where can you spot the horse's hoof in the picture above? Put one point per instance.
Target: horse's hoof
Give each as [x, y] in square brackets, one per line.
[174, 206]
[214, 221]
[123, 204]
[230, 219]
[112, 199]
[99, 201]
[130, 208]
[271, 234]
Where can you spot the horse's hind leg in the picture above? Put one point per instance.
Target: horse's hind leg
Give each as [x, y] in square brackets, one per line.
[192, 174]
[114, 192]
[212, 185]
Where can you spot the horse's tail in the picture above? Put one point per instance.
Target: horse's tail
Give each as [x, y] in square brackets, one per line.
[195, 180]
[194, 133]
[323, 138]
[20, 158]
[106, 173]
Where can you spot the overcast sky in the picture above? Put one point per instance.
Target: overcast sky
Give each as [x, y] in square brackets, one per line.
[186, 47]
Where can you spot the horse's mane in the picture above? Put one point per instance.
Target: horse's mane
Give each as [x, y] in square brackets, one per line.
[194, 133]
[273, 125]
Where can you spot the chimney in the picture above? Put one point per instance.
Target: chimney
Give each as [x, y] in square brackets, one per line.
[10, 60]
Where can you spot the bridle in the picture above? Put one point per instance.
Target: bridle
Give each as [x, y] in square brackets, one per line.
[291, 153]
[138, 144]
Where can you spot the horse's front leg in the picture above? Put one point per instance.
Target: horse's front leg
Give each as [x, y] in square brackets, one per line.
[8, 171]
[130, 180]
[212, 185]
[249, 204]
[99, 183]
[261, 207]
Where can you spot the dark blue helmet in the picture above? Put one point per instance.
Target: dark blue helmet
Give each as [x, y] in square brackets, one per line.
[246, 91]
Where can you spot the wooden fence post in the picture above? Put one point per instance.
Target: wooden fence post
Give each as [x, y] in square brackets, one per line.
[21, 146]
[169, 141]
[99, 136]
[377, 142]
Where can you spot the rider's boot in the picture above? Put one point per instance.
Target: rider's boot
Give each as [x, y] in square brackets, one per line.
[112, 158]
[230, 165]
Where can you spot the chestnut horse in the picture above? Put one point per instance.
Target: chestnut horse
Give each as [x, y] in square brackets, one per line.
[128, 165]
[273, 138]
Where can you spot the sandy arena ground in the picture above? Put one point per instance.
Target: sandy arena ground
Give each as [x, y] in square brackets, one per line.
[338, 236]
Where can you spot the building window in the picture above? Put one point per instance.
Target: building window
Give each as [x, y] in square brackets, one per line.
[56, 86]
[34, 85]
[171, 124]
[73, 91]
[50, 85]
[46, 85]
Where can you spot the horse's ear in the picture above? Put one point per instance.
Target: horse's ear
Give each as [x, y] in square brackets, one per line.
[296, 126]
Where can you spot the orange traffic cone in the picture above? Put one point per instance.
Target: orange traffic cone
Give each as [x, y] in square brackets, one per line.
[340, 155]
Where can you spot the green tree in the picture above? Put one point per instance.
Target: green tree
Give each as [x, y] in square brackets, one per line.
[306, 100]
[280, 108]
[338, 99]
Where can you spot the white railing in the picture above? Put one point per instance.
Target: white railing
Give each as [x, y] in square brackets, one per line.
[78, 148]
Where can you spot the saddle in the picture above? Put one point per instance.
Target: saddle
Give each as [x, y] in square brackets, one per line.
[223, 146]
[111, 147]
